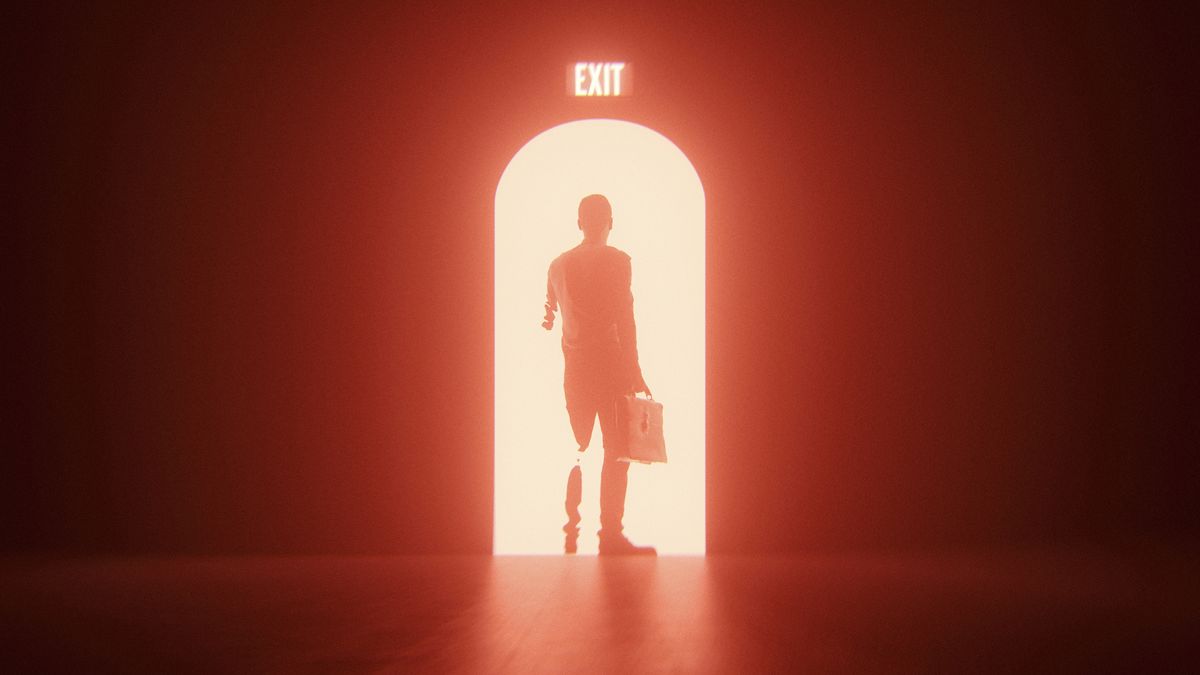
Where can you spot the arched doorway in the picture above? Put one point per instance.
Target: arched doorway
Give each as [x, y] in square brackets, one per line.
[658, 219]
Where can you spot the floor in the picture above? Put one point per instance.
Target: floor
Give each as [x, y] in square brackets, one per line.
[1059, 611]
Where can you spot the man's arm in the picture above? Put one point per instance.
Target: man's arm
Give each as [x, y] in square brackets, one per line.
[551, 305]
[627, 330]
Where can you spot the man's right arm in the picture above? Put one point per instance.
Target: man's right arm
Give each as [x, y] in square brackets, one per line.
[627, 330]
[551, 305]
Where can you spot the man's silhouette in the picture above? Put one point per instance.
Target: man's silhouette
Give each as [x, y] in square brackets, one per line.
[591, 285]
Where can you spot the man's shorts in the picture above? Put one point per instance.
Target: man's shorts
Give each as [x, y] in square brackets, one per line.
[593, 383]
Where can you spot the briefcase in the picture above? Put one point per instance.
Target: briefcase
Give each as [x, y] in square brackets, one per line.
[641, 422]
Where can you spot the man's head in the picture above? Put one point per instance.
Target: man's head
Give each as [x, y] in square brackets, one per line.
[595, 216]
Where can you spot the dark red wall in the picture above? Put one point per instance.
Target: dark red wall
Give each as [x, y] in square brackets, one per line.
[949, 269]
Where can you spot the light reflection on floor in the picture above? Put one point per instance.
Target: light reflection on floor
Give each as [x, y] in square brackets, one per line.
[1017, 611]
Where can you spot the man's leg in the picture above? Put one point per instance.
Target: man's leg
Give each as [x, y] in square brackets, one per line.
[581, 409]
[614, 480]
[574, 497]
[582, 422]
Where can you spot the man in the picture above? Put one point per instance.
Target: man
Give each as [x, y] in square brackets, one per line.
[591, 285]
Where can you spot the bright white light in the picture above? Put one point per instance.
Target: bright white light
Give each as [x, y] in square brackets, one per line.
[658, 219]
[597, 78]
[580, 74]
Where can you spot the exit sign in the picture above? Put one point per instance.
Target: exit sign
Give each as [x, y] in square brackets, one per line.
[599, 79]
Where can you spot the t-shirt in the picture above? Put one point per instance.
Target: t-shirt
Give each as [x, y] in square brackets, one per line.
[591, 285]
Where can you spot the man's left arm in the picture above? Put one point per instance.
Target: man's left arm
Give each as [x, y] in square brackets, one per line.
[627, 330]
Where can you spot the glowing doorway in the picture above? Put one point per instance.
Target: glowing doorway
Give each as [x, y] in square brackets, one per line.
[658, 219]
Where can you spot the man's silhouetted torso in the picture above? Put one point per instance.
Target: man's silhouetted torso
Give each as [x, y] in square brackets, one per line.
[591, 285]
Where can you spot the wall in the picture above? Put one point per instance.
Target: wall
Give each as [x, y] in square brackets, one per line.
[251, 269]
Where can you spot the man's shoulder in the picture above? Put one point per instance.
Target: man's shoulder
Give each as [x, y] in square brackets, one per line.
[562, 257]
[582, 251]
[619, 254]
[612, 253]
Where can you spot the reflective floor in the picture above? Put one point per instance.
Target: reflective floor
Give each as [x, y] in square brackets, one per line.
[1012, 611]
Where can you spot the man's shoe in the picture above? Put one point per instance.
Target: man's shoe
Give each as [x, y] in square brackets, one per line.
[621, 546]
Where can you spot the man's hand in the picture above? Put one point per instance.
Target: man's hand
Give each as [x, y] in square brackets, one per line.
[639, 384]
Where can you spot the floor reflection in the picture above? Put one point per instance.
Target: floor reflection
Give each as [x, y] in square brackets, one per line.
[1061, 611]
[599, 614]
